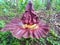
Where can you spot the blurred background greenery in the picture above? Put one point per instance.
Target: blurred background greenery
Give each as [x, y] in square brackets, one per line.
[13, 8]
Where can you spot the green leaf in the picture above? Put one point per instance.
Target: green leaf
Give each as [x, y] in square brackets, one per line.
[2, 23]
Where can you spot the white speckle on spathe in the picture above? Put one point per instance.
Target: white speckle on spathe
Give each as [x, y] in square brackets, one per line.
[19, 32]
[20, 24]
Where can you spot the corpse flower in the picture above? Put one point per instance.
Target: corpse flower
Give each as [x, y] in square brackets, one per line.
[28, 26]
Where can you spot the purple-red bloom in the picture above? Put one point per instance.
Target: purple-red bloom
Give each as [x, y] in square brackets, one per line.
[29, 26]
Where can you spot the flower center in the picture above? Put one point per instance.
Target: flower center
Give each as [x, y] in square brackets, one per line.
[34, 26]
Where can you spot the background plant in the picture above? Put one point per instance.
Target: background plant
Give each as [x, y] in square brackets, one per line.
[12, 8]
